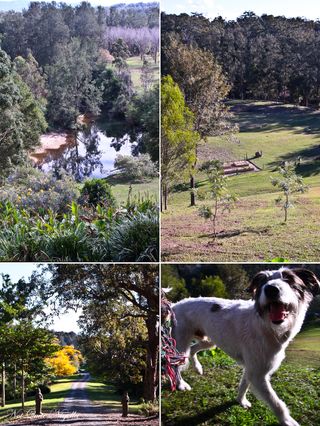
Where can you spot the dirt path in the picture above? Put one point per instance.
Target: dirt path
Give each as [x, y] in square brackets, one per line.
[78, 410]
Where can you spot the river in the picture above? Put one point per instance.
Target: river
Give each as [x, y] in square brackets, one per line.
[87, 153]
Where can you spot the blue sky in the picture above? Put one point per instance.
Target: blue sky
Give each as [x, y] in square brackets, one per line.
[65, 322]
[231, 9]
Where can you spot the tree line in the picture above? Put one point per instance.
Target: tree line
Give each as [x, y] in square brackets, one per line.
[219, 280]
[263, 57]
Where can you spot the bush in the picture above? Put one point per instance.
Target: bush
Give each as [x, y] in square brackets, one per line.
[99, 234]
[34, 190]
[97, 191]
[136, 239]
[139, 168]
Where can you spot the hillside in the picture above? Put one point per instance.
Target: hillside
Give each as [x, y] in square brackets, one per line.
[254, 230]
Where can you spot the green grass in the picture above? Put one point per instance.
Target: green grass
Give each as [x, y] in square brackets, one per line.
[212, 398]
[135, 65]
[305, 349]
[120, 189]
[106, 395]
[103, 394]
[59, 391]
[254, 230]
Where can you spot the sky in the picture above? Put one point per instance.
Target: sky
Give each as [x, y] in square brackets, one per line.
[231, 9]
[66, 322]
[96, 2]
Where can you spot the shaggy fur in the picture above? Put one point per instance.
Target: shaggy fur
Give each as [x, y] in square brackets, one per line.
[253, 332]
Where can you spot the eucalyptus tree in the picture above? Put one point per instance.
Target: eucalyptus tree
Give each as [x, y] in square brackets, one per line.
[204, 87]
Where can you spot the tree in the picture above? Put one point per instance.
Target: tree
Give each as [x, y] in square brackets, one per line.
[27, 346]
[97, 284]
[32, 75]
[17, 303]
[65, 361]
[204, 86]
[22, 117]
[217, 192]
[178, 139]
[143, 114]
[290, 183]
[72, 90]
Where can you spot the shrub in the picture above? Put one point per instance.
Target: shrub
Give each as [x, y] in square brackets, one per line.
[136, 239]
[97, 191]
[139, 168]
[34, 190]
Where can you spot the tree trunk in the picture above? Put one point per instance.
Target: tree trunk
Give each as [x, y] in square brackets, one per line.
[286, 209]
[151, 373]
[192, 194]
[15, 381]
[3, 385]
[164, 197]
[22, 387]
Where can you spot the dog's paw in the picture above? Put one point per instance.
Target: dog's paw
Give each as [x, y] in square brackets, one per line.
[184, 386]
[244, 403]
[289, 422]
[198, 368]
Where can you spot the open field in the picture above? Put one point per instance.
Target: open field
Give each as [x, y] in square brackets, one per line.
[212, 399]
[254, 230]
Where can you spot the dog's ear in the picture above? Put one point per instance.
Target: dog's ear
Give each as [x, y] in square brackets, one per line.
[309, 279]
[258, 280]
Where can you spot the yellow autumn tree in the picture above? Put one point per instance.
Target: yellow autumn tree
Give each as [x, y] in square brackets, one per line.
[65, 361]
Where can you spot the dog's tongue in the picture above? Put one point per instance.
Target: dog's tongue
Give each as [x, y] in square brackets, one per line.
[277, 312]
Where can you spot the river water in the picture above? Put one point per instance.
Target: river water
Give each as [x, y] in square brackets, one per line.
[89, 153]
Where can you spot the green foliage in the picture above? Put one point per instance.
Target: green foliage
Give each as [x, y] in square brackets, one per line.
[32, 75]
[264, 57]
[110, 87]
[202, 82]
[79, 235]
[71, 88]
[178, 139]
[170, 279]
[290, 183]
[97, 191]
[22, 117]
[143, 113]
[136, 239]
[139, 168]
[29, 188]
[208, 287]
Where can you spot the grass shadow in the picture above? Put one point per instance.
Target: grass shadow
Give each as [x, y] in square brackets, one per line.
[236, 232]
[200, 418]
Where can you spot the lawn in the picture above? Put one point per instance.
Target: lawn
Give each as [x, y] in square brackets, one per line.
[135, 65]
[254, 230]
[106, 394]
[120, 189]
[59, 390]
[212, 399]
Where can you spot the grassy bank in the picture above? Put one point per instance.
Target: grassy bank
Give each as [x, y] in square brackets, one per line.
[254, 230]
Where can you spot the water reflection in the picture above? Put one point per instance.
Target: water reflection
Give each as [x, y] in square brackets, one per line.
[91, 152]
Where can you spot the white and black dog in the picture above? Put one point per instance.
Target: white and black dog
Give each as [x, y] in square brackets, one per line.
[253, 332]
